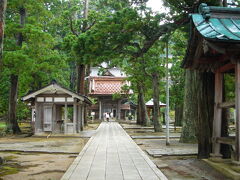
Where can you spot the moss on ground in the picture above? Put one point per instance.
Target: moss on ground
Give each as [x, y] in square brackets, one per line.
[9, 166]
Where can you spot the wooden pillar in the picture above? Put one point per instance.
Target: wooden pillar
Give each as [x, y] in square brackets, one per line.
[217, 121]
[82, 115]
[237, 102]
[74, 116]
[54, 118]
[79, 119]
[39, 118]
[100, 109]
[65, 117]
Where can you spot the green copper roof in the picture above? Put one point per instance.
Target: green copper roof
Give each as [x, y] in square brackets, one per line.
[218, 23]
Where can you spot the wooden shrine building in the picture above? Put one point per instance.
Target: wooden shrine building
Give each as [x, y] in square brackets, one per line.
[150, 107]
[103, 85]
[214, 46]
[56, 109]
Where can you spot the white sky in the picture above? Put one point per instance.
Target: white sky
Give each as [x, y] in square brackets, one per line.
[156, 5]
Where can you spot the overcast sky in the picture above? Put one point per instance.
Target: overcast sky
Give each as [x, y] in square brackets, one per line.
[156, 5]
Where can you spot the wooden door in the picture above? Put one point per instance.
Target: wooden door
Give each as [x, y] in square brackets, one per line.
[48, 116]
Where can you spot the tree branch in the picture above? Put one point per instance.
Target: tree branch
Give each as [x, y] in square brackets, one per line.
[71, 26]
[163, 29]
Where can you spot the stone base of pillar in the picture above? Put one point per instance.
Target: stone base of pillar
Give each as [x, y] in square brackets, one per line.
[216, 157]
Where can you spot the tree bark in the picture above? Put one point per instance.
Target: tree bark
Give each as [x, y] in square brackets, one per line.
[139, 111]
[188, 134]
[3, 5]
[73, 77]
[80, 79]
[145, 118]
[86, 90]
[178, 114]
[198, 110]
[81, 69]
[12, 120]
[205, 98]
[156, 107]
[12, 124]
[223, 3]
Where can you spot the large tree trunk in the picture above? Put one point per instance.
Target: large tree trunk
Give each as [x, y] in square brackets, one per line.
[12, 124]
[198, 110]
[178, 114]
[3, 4]
[86, 89]
[139, 111]
[144, 114]
[156, 114]
[80, 79]
[190, 109]
[81, 68]
[12, 120]
[73, 76]
[205, 98]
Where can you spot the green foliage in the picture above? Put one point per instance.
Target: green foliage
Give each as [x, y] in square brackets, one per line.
[37, 61]
[116, 96]
[178, 46]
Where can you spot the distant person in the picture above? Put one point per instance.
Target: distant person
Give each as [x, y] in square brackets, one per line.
[104, 116]
[107, 117]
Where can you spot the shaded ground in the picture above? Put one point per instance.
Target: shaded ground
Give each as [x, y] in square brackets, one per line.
[175, 167]
[39, 158]
[32, 166]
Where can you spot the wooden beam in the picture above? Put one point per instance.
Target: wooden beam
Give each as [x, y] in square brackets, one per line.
[210, 60]
[53, 95]
[217, 121]
[226, 140]
[226, 105]
[237, 99]
[225, 68]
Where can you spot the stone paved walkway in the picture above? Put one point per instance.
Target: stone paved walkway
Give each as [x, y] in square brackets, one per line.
[112, 155]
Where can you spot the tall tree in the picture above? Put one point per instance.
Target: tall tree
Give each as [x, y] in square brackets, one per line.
[3, 5]
[12, 119]
[190, 109]
[31, 61]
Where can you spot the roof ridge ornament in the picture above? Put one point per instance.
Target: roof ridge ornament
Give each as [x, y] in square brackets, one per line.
[204, 9]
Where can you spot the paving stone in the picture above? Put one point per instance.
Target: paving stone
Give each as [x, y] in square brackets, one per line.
[170, 152]
[111, 154]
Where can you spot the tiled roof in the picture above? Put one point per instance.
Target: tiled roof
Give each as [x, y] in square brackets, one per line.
[116, 72]
[218, 23]
[107, 85]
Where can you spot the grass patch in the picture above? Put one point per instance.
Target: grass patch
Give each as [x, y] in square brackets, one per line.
[9, 158]
[2, 125]
[9, 169]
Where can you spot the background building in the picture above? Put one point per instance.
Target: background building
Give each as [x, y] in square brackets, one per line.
[105, 85]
